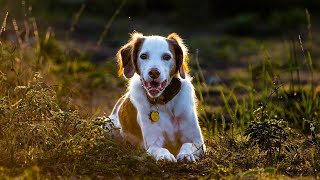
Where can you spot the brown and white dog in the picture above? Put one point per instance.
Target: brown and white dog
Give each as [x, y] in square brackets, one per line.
[158, 111]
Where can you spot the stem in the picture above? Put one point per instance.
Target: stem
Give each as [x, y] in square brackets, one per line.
[296, 65]
[108, 25]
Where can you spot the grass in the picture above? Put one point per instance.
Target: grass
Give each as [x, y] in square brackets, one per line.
[53, 99]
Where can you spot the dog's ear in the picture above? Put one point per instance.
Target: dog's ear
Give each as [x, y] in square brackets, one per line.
[126, 67]
[127, 56]
[181, 54]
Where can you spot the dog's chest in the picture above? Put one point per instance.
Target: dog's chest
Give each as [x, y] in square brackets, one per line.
[169, 122]
[176, 122]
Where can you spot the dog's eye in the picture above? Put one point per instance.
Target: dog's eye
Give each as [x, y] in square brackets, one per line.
[166, 57]
[144, 56]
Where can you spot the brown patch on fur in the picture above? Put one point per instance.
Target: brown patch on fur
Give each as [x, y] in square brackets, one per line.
[174, 70]
[180, 51]
[128, 119]
[127, 55]
[173, 146]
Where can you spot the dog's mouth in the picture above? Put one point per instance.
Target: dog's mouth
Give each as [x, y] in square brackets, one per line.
[154, 87]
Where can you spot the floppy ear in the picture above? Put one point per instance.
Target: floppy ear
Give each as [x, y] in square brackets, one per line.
[126, 56]
[181, 54]
[124, 60]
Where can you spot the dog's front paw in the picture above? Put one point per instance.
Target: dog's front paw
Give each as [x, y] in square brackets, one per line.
[188, 153]
[163, 154]
[167, 157]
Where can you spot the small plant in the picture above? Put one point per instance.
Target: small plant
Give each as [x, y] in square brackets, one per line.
[269, 135]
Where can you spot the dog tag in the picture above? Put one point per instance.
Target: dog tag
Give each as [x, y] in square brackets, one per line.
[154, 116]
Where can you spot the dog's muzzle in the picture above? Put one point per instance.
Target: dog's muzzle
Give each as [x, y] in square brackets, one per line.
[154, 87]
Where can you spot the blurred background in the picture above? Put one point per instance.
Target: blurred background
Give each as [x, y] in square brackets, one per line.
[86, 21]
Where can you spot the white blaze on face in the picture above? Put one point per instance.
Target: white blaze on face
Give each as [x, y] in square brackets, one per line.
[155, 54]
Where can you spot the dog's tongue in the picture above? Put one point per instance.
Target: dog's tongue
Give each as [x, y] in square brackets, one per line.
[154, 84]
[154, 87]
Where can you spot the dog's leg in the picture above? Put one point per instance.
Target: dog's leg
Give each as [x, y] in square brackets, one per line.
[154, 140]
[193, 145]
[154, 145]
[113, 125]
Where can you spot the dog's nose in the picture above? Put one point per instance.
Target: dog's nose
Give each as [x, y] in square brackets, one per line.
[154, 73]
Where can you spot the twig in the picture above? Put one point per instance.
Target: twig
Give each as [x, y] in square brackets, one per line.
[108, 25]
[275, 90]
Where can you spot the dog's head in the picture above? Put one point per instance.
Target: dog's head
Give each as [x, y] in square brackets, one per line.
[156, 59]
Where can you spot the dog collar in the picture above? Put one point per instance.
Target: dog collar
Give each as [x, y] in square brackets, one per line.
[168, 94]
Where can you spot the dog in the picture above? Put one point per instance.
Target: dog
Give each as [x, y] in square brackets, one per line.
[158, 112]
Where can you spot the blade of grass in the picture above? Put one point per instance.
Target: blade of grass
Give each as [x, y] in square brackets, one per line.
[4, 23]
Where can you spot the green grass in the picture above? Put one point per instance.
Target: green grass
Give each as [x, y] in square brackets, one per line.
[53, 102]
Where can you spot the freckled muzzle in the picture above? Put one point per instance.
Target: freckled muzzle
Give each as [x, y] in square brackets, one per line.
[153, 87]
